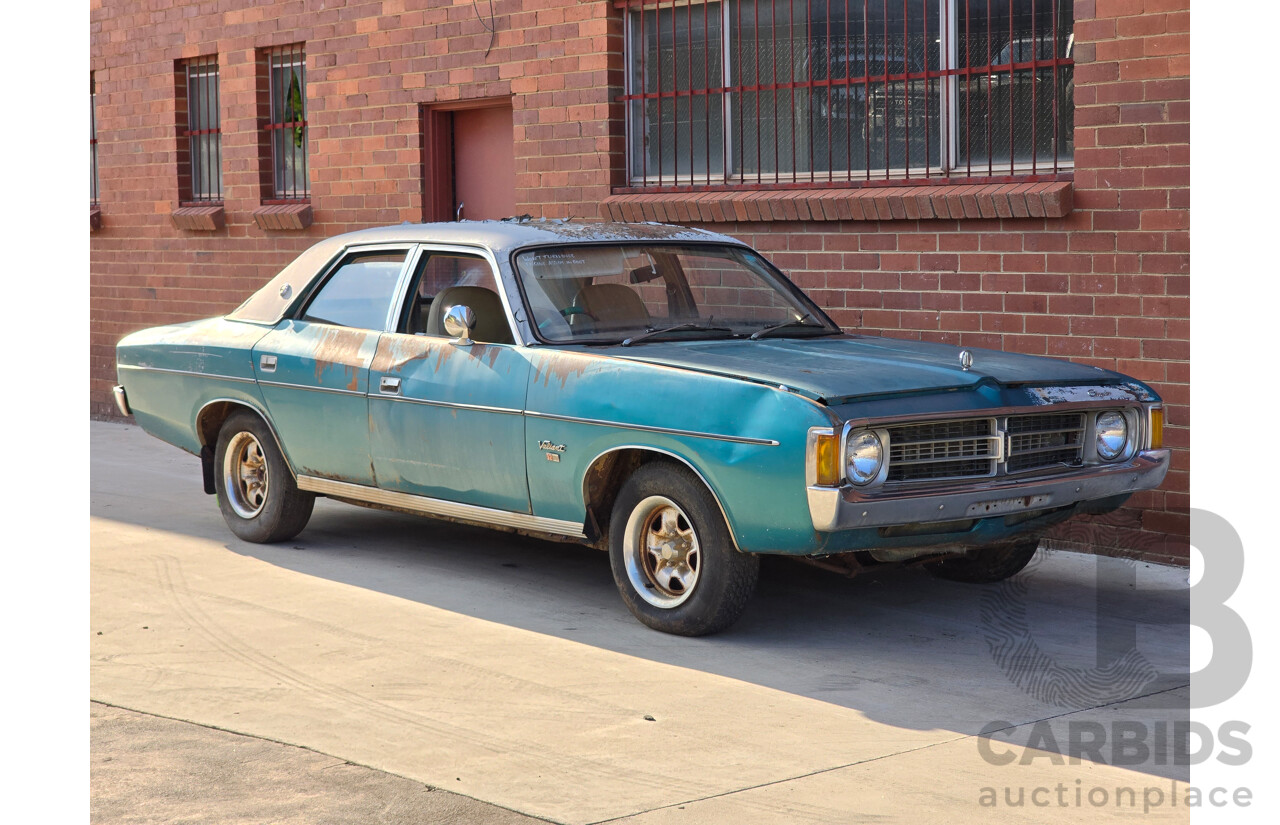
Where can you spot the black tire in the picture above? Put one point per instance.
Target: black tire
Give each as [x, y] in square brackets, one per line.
[257, 494]
[987, 564]
[705, 584]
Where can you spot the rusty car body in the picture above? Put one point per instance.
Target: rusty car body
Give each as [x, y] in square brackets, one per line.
[659, 391]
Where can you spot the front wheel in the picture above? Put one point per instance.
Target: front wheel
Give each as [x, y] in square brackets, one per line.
[672, 557]
[258, 497]
[986, 564]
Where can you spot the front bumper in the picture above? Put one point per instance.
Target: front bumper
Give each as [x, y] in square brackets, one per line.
[848, 508]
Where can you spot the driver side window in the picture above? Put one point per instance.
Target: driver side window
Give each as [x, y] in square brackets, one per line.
[447, 279]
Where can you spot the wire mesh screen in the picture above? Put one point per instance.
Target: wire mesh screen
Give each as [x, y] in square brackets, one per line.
[791, 92]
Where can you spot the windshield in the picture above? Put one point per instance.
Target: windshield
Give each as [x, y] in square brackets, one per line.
[624, 293]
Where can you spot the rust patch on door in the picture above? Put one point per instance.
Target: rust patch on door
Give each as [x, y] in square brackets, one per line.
[340, 348]
[560, 366]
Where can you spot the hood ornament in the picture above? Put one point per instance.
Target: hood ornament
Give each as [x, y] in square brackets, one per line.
[966, 359]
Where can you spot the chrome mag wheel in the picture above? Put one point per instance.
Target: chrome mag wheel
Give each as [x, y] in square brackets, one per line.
[662, 553]
[244, 470]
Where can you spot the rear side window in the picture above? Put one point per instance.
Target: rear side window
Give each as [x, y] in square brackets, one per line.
[360, 292]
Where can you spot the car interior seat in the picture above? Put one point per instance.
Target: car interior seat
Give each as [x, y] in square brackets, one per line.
[611, 304]
[491, 322]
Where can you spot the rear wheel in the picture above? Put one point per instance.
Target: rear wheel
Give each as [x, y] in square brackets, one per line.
[672, 557]
[987, 564]
[257, 494]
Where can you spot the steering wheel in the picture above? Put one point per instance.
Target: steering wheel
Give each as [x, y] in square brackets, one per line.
[570, 311]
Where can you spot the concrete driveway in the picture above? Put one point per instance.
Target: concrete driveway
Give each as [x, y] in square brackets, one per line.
[506, 669]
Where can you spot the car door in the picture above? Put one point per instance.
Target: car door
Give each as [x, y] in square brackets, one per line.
[314, 368]
[446, 418]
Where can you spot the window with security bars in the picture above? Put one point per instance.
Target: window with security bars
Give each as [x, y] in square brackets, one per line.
[93, 141]
[838, 92]
[200, 132]
[285, 132]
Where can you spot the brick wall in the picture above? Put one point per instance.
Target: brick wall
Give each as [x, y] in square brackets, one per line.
[1106, 284]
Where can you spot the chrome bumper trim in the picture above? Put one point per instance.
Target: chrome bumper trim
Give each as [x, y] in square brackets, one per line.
[122, 400]
[844, 508]
[437, 507]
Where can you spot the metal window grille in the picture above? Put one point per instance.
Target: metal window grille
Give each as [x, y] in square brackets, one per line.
[93, 141]
[203, 131]
[287, 125]
[791, 93]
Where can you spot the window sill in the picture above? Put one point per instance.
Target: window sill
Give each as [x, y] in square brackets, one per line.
[95, 217]
[285, 217]
[942, 201]
[199, 218]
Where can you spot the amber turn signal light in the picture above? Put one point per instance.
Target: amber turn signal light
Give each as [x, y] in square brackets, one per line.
[827, 460]
[1156, 441]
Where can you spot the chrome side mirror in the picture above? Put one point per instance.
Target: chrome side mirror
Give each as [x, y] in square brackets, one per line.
[458, 322]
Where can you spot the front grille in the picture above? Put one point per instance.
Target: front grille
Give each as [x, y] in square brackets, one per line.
[1045, 441]
[942, 449]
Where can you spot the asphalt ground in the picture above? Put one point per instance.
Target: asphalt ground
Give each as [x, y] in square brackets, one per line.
[500, 671]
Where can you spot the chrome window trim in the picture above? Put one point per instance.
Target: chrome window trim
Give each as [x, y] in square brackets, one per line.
[737, 439]
[427, 506]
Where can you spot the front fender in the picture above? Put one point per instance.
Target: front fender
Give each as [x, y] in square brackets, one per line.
[747, 441]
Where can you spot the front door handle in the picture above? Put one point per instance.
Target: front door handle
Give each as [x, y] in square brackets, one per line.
[389, 385]
[267, 363]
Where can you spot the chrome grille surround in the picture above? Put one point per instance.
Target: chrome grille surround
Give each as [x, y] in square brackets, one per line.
[1044, 441]
[928, 451]
[982, 447]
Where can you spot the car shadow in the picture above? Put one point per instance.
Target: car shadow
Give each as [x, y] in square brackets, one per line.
[898, 645]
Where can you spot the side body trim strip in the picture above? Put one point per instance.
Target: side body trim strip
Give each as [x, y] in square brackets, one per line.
[766, 442]
[438, 507]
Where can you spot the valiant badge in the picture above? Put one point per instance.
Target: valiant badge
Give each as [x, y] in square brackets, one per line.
[966, 359]
[552, 450]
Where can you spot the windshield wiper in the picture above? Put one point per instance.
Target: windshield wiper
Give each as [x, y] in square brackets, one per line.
[802, 321]
[689, 325]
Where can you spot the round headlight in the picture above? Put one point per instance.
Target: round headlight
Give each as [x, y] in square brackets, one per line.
[864, 454]
[1112, 430]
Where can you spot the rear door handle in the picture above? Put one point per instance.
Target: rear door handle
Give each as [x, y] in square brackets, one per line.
[267, 363]
[389, 385]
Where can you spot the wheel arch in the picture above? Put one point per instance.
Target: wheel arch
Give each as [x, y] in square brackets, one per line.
[609, 470]
[208, 423]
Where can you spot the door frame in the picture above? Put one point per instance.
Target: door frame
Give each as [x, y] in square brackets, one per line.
[437, 152]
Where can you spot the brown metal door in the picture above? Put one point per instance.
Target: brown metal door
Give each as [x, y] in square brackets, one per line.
[484, 163]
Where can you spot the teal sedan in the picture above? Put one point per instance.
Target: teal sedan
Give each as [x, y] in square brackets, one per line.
[663, 393]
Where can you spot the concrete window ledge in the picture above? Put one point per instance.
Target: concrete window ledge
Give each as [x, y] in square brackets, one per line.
[199, 218]
[285, 217]
[95, 218]
[879, 203]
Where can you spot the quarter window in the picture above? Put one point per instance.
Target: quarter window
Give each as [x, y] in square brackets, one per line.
[761, 93]
[360, 291]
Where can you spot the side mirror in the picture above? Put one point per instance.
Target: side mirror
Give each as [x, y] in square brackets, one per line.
[458, 322]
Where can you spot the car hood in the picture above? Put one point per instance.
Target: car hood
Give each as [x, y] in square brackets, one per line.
[839, 368]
